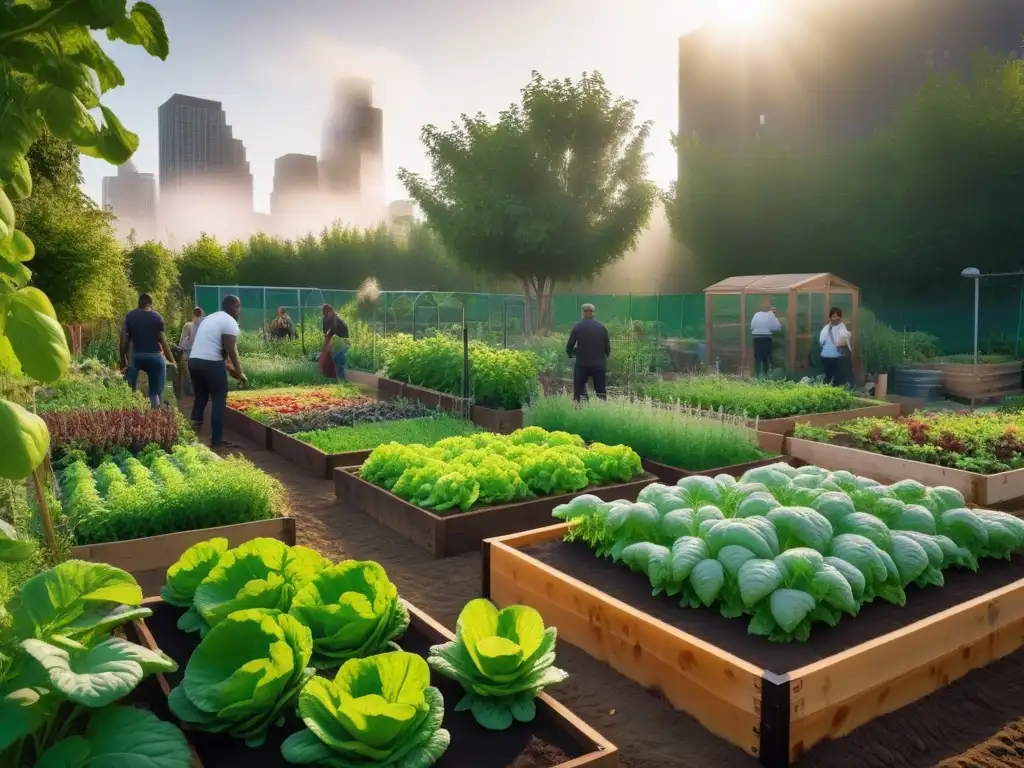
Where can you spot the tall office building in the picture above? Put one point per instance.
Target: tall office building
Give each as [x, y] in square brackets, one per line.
[132, 197]
[353, 146]
[821, 71]
[296, 200]
[205, 182]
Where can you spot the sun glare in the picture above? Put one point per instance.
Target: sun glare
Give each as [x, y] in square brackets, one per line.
[744, 13]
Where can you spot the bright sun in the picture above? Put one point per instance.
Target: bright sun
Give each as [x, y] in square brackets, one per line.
[744, 12]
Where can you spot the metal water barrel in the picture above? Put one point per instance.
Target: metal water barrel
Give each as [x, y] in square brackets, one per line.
[919, 383]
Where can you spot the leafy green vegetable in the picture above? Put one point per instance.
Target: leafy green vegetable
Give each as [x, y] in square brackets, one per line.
[503, 660]
[194, 565]
[352, 610]
[244, 675]
[378, 711]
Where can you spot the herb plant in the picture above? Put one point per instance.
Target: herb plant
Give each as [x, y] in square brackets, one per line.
[62, 672]
[503, 659]
[753, 399]
[424, 431]
[97, 433]
[672, 434]
[89, 387]
[496, 469]
[791, 547]
[985, 442]
[376, 712]
[364, 413]
[186, 489]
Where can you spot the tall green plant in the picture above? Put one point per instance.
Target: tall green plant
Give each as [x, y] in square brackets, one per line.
[52, 74]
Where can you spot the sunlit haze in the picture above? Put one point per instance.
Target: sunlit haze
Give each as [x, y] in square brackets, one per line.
[273, 65]
[744, 12]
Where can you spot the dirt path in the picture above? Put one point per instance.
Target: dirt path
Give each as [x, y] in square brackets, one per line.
[953, 728]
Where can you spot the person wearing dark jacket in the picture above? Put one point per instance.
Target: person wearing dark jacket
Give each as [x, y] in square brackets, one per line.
[590, 346]
[335, 328]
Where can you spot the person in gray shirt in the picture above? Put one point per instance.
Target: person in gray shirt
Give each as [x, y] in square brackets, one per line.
[590, 345]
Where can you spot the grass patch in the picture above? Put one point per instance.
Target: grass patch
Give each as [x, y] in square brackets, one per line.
[671, 434]
[753, 398]
[363, 437]
[267, 371]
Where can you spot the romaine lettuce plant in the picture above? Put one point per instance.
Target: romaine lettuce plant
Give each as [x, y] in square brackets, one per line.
[61, 672]
[503, 660]
[352, 610]
[378, 711]
[791, 546]
[244, 675]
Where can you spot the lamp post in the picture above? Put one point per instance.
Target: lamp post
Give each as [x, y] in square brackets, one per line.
[972, 273]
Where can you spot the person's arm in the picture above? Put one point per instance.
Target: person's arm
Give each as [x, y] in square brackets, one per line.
[166, 346]
[607, 343]
[342, 328]
[185, 337]
[752, 323]
[776, 323]
[570, 347]
[230, 344]
[126, 339]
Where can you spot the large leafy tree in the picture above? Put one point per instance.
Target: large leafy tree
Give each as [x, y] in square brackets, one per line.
[53, 73]
[555, 189]
[154, 268]
[899, 213]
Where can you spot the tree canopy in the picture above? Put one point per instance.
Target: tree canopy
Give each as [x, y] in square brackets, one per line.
[555, 189]
[898, 213]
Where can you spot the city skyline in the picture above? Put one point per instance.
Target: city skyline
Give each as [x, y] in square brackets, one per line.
[273, 70]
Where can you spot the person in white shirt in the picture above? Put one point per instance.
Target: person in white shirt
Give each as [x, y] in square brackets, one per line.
[835, 342]
[215, 341]
[762, 325]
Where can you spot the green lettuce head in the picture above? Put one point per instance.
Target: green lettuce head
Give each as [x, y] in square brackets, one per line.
[503, 660]
[244, 674]
[379, 712]
[353, 611]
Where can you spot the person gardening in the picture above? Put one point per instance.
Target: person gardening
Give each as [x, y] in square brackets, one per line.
[215, 341]
[590, 346]
[335, 328]
[143, 331]
[281, 327]
[762, 325]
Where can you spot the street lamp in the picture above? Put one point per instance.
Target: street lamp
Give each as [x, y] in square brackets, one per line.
[973, 273]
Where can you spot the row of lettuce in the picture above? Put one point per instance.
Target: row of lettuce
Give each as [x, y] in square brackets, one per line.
[790, 547]
[282, 631]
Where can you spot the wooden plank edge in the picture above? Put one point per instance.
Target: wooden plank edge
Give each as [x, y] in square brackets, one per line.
[773, 734]
[929, 626]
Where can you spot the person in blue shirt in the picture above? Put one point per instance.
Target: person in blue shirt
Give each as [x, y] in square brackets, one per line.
[835, 349]
[143, 332]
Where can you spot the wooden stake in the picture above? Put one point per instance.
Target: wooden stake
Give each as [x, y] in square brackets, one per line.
[44, 515]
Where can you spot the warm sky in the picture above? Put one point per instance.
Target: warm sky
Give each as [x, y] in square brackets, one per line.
[272, 62]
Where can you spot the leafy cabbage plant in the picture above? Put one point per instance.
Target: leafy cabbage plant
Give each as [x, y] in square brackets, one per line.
[244, 674]
[378, 711]
[352, 610]
[503, 660]
[62, 673]
[459, 472]
[791, 546]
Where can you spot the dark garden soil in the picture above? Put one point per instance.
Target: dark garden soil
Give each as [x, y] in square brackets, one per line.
[532, 745]
[874, 620]
[977, 722]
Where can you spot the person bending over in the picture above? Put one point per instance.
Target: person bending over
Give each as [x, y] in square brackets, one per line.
[215, 341]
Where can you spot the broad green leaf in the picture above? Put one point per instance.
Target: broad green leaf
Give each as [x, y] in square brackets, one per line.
[36, 337]
[82, 47]
[789, 607]
[72, 752]
[144, 27]
[6, 215]
[194, 565]
[67, 117]
[13, 547]
[18, 247]
[102, 675]
[128, 737]
[26, 441]
[73, 592]
[22, 711]
[15, 174]
[306, 748]
[910, 558]
[114, 142]
[490, 713]
[707, 579]
[758, 579]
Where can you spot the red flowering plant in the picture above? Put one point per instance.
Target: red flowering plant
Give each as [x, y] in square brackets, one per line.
[97, 433]
[985, 442]
[269, 406]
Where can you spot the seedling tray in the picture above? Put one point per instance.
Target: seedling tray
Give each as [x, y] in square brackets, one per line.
[774, 701]
[555, 737]
[446, 535]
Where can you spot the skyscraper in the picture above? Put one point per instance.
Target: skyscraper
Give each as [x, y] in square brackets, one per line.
[296, 202]
[821, 71]
[205, 182]
[353, 145]
[132, 197]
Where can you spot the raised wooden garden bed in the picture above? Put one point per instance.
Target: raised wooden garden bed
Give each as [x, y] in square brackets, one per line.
[992, 380]
[503, 422]
[489, 418]
[871, 409]
[975, 487]
[362, 378]
[555, 737]
[773, 700]
[247, 427]
[670, 475]
[148, 559]
[446, 535]
[312, 458]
